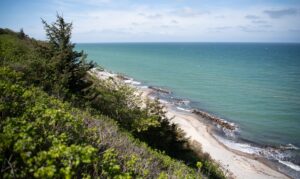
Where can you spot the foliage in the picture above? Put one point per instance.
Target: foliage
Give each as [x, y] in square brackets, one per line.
[22, 34]
[121, 102]
[50, 139]
[43, 136]
[39, 136]
[69, 67]
[12, 49]
[23, 55]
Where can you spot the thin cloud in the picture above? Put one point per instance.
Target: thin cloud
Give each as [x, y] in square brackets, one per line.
[220, 17]
[110, 20]
[252, 17]
[135, 24]
[188, 12]
[164, 26]
[266, 26]
[174, 21]
[220, 28]
[259, 22]
[250, 29]
[151, 16]
[154, 16]
[275, 14]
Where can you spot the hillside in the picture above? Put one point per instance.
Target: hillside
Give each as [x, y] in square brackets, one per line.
[59, 121]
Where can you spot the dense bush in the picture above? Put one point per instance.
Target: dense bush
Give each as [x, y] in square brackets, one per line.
[39, 136]
[44, 135]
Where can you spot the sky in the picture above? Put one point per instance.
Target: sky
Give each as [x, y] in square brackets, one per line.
[159, 20]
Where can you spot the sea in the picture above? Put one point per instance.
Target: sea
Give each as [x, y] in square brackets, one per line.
[255, 86]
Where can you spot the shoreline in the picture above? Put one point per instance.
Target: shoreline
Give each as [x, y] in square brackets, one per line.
[234, 163]
[237, 163]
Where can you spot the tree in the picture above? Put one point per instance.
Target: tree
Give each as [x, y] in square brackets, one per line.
[22, 35]
[69, 66]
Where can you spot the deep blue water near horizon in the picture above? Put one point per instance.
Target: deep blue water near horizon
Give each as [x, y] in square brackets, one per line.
[254, 85]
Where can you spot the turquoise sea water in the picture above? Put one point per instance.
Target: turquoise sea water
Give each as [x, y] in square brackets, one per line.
[254, 85]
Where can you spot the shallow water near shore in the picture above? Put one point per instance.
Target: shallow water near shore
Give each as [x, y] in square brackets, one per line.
[255, 86]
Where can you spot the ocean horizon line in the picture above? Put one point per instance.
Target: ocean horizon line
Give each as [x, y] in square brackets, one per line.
[186, 42]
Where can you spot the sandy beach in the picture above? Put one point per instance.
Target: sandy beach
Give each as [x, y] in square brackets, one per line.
[239, 166]
[234, 164]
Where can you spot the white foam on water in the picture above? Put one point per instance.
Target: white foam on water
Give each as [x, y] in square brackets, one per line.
[243, 147]
[291, 165]
[135, 82]
[131, 81]
[182, 109]
[163, 101]
[143, 87]
[266, 152]
[229, 133]
[289, 147]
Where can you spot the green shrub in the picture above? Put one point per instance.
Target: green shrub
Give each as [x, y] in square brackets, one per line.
[47, 138]
[42, 134]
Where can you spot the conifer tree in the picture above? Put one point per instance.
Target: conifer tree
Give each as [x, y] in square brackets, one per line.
[69, 66]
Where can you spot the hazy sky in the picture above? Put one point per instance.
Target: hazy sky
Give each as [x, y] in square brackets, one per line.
[160, 20]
